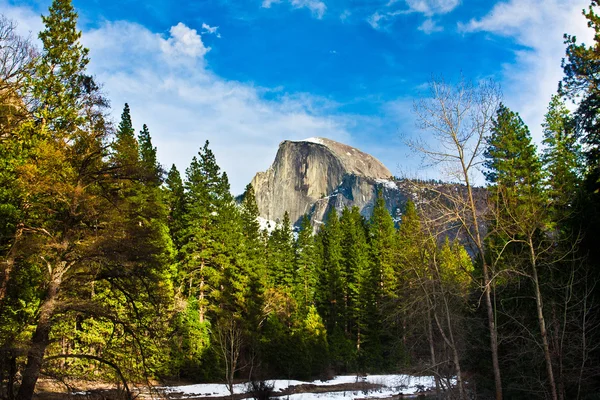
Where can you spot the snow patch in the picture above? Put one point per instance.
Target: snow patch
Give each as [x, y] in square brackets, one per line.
[266, 224]
[387, 184]
[313, 140]
[391, 385]
[348, 153]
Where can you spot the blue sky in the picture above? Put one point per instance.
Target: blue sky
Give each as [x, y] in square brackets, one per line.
[248, 74]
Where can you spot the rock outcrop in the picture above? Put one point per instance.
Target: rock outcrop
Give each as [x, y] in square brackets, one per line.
[313, 175]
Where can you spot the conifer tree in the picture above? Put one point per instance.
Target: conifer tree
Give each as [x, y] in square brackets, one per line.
[305, 266]
[253, 267]
[511, 159]
[175, 200]
[280, 256]
[126, 148]
[358, 272]
[199, 248]
[57, 84]
[152, 172]
[382, 243]
[520, 212]
[581, 83]
[335, 276]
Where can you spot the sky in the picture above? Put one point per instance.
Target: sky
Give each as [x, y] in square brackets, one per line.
[248, 74]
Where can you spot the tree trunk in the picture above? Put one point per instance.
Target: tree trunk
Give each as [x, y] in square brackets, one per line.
[436, 375]
[9, 266]
[559, 352]
[487, 290]
[201, 296]
[9, 263]
[542, 323]
[40, 341]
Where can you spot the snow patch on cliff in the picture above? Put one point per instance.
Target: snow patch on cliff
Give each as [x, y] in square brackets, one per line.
[314, 140]
[387, 184]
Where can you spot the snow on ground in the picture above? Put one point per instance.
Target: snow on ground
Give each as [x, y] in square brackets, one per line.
[387, 183]
[391, 385]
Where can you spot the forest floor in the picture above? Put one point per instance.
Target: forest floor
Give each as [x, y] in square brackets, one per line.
[340, 388]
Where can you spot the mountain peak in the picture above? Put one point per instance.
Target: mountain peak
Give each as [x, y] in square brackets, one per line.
[312, 175]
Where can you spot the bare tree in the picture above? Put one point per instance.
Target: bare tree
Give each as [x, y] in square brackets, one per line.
[16, 61]
[457, 119]
[230, 339]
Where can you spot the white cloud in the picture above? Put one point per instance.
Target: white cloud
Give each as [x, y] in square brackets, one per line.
[209, 29]
[374, 20]
[432, 7]
[382, 18]
[184, 104]
[531, 80]
[429, 26]
[183, 42]
[212, 30]
[317, 7]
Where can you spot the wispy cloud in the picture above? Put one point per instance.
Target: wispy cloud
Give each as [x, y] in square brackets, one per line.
[384, 16]
[430, 26]
[184, 103]
[210, 29]
[317, 7]
[432, 7]
[531, 80]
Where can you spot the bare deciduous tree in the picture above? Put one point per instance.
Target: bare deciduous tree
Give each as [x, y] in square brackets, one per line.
[457, 118]
[230, 339]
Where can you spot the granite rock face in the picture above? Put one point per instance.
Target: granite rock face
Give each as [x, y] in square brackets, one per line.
[316, 174]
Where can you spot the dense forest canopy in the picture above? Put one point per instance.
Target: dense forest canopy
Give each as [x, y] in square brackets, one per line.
[114, 269]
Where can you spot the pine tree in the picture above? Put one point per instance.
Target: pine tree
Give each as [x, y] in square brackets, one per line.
[57, 84]
[126, 148]
[513, 169]
[152, 171]
[358, 272]
[520, 212]
[280, 256]
[199, 249]
[581, 82]
[562, 158]
[305, 266]
[253, 266]
[382, 243]
[175, 200]
[335, 276]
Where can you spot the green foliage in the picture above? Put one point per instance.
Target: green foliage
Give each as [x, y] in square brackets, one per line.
[151, 170]
[280, 256]
[57, 83]
[581, 81]
[306, 267]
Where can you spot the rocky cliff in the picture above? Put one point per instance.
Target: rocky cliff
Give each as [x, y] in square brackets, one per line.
[313, 175]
